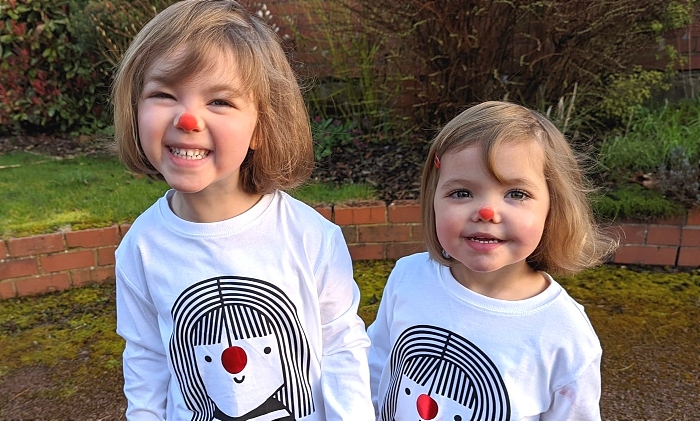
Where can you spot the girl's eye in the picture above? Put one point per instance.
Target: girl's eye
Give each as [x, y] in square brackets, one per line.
[517, 195]
[221, 103]
[160, 95]
[459, 194]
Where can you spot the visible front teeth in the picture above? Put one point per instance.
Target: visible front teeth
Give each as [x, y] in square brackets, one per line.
[485, 240]
[189, 153]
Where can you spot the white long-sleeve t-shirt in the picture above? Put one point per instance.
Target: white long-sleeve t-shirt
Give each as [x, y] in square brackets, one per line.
[443, 352]
[251, 318]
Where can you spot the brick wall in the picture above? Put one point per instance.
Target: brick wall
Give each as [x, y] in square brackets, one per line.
[373, 230]
[686, 41]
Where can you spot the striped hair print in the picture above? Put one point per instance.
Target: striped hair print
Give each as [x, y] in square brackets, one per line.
[239, 308]
[453, 367]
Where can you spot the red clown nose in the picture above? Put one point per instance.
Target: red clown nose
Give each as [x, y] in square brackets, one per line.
[234, 359]
[187, 122]
[427, 407]
[486, 213]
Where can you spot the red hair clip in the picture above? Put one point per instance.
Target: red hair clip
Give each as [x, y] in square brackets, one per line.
[437, 161]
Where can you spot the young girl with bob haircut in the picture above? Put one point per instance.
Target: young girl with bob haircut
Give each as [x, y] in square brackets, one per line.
[476, 328]
[236, 301]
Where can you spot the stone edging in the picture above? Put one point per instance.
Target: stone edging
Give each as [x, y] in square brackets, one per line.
[373, 230]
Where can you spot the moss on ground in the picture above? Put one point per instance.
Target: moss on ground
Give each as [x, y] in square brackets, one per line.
[51, 328]
[47, 329]
[70, 336]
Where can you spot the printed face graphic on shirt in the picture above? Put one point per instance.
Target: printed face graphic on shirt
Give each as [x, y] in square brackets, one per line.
[239, 351]
[416, 402]
[439, 375]
[241, 375]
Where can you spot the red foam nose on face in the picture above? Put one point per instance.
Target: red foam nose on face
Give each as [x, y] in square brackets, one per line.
[427, 407]
[486, 213]
[187, 122]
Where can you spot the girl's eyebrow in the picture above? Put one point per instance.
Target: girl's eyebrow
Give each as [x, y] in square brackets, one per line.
[225, 88]
[158, 79]
[162, 79]
[456, 182]
[516, 181]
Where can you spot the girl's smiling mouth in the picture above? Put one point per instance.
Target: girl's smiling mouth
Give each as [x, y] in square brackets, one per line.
[189, 153]
[485, 240]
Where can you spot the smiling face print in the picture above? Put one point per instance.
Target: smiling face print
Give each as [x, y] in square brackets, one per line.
[240, 375]
[439, 375]
[416, 402]
[239, 352]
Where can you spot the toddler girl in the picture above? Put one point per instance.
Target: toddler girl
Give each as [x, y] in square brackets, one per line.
[236, 301]
[476, 328]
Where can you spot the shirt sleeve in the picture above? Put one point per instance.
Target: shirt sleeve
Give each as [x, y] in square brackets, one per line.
[380, 348]
[345, 372]
[578, 400]
[146, 373]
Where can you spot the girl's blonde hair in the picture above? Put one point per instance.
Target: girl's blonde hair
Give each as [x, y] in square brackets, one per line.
[192, 31]
[572, 240]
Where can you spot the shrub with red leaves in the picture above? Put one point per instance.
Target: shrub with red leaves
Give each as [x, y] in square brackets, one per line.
[47, 83]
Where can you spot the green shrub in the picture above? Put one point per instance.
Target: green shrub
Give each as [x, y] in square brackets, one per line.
[647, 142]
[679, 177]
[330, 133]
[339, 54]
[442, 56]
[107, 27]
[632, 201]
[47, 83]
[626, 94]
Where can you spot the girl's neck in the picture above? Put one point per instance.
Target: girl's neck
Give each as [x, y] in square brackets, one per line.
[511, 283]
[202, 207]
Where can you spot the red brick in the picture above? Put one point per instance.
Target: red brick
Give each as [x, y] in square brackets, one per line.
[367, 251]
[105, 256]
[84, 277]
[350, 233]
[689, 256]
[3, 250]
[325, 211]
[690, 237]
[674, 220]
[664, 235]
[398, 250]
[404, 211]
[93, 237]
[342, 215]
[417, 232]
[369, 213]
[631, 233]
[7, 290]
[38, 244]
[42, 284]
[693, 217]
[384, 233]
[124, 228]
[65, 261]
[646, 255]
[18, 268]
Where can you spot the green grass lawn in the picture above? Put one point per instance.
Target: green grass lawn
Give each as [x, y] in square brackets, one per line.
[41, 194]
